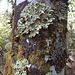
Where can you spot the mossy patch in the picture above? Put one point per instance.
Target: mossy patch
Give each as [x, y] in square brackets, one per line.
[8, 66]
[38, 58]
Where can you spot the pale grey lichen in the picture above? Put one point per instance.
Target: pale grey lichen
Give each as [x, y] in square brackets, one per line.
[8, 46]
[47, 58]
[34, 17]
[20, 65]
[49, 73]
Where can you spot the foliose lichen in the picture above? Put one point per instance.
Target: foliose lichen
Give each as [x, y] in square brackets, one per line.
[49, 73]
[34, 17]
[8, 46]
[20, 66]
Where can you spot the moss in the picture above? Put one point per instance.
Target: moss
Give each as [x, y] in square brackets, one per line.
[8, 66]
[20, 55]
[45, 67]
[38, 58]
[20, 52]
[20, 47]
[11, 57]
[34, 17]
[34, 57]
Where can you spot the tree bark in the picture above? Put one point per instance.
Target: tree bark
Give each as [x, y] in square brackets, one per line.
[49, 44]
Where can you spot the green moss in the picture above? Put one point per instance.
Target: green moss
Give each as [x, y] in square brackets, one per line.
[36, 57]
[34, 17]
[20, 55]
[8, 70]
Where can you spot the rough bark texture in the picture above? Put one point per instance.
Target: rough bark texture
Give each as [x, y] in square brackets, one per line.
[45, 49]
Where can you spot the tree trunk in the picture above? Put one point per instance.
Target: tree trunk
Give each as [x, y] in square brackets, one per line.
[46, 50]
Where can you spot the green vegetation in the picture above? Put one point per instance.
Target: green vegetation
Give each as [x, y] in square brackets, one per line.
[71, 25]
[5, 29]
[39, 60]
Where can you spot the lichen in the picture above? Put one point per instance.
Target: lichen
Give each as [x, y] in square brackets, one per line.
[34, 17]
[34, 57]
[20, 66]
[20, 47]
[49, 73]
[8, 46]
[20, 52]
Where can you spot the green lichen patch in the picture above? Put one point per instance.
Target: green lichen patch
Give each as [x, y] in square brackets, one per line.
[20, 66]
[34, 17]
[8, 46]
[49, 73]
